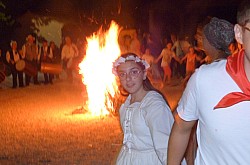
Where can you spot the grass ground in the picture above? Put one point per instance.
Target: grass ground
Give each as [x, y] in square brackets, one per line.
[38, 127]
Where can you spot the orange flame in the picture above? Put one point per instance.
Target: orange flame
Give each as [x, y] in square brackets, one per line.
[96, 69]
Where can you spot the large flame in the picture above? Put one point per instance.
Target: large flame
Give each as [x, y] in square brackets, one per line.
[96, 69]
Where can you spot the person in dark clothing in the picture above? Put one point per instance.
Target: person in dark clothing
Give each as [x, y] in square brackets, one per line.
[30, 54]
[12, 57]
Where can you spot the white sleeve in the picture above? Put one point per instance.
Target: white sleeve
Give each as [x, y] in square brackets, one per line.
[159, 119]
[187, 107]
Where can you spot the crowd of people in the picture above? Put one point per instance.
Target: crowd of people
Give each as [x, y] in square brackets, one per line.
[211, 122]
[24, 64]
[178, 58]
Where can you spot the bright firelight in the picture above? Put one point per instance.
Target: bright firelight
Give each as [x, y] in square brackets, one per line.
[96, 70]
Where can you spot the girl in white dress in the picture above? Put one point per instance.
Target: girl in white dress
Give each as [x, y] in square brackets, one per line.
[145, 116]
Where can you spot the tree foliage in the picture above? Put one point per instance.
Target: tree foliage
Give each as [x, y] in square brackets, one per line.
[4, 18]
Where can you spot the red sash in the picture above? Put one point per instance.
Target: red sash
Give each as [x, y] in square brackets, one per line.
[235, 68]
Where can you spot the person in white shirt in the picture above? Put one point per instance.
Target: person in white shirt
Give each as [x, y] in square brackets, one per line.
[12, 57]
[69, 52]
[218, 97]
[166, 55]
[31, 55]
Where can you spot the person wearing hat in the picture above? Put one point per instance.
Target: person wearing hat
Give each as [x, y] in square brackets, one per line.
[218, 97]
[30, 54]
[12, 57]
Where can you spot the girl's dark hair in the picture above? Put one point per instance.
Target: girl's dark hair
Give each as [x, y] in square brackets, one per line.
[147, 85]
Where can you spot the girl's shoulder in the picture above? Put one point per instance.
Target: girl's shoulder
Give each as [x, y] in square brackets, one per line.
[153, 97]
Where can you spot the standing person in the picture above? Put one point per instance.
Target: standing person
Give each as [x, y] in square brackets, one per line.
[30, 53]
[149, 58]
[69, 52]
[145, 116]
[125, 45]
[217, 96]
[135, 45]
[191, 58]
[12, 57]
[179, 53]
[46, 56]
[153, 73]
[56, 55]
[184, 44]
[167, 54]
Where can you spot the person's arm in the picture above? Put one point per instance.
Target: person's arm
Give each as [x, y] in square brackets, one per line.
[190, 153]
[185, 57]
[176, 58]
[76, 52]
[179, 139]
[174, 46]
[160, 56]
[198, 58]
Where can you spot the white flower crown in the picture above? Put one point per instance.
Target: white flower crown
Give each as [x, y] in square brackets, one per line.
[128, 58]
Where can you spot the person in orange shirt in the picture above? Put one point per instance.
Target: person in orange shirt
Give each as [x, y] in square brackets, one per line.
[191, 57]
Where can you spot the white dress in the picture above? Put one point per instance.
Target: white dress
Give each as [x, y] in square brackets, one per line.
[146, 126]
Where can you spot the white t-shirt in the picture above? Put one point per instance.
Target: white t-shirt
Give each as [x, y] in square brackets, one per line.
[223, 134]
[69, 51]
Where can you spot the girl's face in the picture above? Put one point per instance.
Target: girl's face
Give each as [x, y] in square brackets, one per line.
[131, 76]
